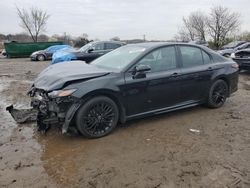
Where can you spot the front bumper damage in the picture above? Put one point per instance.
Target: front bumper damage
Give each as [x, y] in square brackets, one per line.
[33, 57]
[51, 111]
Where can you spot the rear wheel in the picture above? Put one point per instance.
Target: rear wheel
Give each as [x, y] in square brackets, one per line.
[217, 94]
[40, 57]
[97, 117]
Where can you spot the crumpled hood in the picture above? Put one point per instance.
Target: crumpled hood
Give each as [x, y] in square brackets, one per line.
[55, 76]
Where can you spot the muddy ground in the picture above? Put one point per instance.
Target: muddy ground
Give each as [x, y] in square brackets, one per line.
[152, 152]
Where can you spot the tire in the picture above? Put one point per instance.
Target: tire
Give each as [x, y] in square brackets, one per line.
[91, 120]
[40, 58]
[217, 94]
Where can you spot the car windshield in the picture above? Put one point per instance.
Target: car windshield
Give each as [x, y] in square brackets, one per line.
[119, 58]
[85, 47]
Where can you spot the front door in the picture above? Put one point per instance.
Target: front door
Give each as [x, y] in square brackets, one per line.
[158, 88]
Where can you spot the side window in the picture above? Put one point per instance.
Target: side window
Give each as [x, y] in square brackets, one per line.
[206, 58]
[98, 46]
[112, 46]
[191, 56]
[160, 60]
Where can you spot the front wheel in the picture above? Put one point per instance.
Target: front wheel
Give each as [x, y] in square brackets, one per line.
[41, 58]
[97, 117]
[217, 94]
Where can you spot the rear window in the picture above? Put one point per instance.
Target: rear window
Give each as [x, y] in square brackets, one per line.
[98, 46]
[112, 46]
[206, 58]
[191, 56]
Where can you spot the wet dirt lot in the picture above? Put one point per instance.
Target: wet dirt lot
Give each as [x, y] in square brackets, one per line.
[152, 152]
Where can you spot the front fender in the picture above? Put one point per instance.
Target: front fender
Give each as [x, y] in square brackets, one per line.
[70, 115]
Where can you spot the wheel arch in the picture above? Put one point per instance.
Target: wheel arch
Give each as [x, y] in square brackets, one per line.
[224, 78]
[113, 96]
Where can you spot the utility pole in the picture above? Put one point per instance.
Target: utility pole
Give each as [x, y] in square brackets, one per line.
[144, 37]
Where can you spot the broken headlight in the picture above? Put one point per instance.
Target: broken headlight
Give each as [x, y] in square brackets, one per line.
[61, 93]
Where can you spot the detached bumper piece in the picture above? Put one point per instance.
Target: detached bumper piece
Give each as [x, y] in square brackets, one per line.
[22, 115]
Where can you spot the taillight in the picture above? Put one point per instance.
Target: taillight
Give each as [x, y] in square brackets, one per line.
[235, 65]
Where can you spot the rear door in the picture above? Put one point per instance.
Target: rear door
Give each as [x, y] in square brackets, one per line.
[196, 73]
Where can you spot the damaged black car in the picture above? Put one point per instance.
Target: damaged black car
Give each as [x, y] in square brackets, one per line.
[133, 81]
[242, 57]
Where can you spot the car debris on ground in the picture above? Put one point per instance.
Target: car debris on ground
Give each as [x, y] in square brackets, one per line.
[194, 130]
[22, 115]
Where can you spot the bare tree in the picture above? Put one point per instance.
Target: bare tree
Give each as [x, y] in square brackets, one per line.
[183, 35]
[245, 36]
[33, 21]
[195, 26]
[188, 29]
[198, 22]
[115, 38]
[221, 23]
[85, 36]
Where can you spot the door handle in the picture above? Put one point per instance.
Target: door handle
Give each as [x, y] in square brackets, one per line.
[174, 74]
[210, 68]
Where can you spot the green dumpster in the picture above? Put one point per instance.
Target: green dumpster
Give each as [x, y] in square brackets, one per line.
[25, 49]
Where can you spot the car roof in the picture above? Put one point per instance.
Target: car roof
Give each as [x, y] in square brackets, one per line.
[149, 45]
[115, 42]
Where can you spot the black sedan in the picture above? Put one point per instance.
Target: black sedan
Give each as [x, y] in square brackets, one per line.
[132, 81]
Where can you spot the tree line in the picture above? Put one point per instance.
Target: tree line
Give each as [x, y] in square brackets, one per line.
[219, 25]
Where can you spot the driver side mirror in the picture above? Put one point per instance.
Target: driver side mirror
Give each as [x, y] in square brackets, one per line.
[142, 68]
[90, 50]
[140, 71]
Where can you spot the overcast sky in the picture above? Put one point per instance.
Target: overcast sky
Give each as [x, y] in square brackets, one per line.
[103, 19]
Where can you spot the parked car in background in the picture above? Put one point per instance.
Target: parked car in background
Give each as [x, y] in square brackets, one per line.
[227, 52]
[88, 52]
[242, 57]
[199, 42]
[132, 81]
[43, 55]
[3, 52]
[232, 45]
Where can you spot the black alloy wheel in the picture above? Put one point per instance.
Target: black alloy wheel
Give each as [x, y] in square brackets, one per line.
[218, 94]
[97, 117]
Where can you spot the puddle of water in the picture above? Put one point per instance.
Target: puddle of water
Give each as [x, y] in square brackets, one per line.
[6, 123]
[20, 164]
